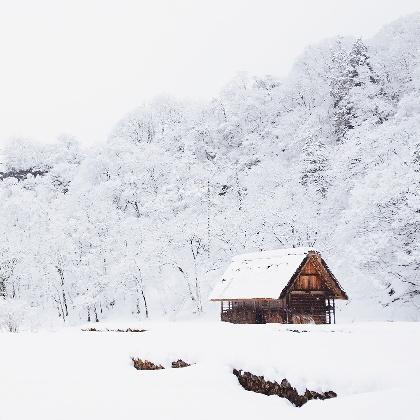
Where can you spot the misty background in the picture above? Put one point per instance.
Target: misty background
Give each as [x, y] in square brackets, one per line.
[77, 67]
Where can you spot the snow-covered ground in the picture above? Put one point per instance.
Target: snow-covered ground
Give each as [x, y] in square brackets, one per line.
[70, 374]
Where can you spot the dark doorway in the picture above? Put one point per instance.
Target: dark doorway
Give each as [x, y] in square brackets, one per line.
[259, 316]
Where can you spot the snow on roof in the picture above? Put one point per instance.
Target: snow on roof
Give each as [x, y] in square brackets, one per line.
[259, 275]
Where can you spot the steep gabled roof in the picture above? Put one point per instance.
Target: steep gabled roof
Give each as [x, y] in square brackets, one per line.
[269, 275]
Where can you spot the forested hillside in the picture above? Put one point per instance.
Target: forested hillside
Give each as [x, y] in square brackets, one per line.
[143, 224]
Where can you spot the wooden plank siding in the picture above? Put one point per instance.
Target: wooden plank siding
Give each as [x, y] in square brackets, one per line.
[308, 307]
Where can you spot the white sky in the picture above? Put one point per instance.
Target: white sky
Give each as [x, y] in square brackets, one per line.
[77, 67]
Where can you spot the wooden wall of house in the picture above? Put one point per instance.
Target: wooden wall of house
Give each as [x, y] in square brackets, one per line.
[305, 308]
[307, 299]
[309, 279]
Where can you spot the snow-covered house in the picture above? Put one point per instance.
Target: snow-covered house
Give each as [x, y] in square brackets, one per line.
[286, 285]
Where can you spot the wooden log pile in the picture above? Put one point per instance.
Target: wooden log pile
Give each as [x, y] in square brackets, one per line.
[239, 316]
[302, 319]
[248, 315]
[275, 317]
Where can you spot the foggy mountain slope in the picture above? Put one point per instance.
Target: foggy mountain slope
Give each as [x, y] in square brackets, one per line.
[328, 157]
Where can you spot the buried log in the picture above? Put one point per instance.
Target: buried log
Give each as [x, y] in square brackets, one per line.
[258, 384]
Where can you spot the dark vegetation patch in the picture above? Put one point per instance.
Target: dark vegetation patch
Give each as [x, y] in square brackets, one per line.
[21, 174]
[258, 384]
[141, 364]
[127, 330]
[180, 364]
[322, 331]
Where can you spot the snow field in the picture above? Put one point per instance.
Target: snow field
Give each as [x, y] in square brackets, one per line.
[70, 374]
